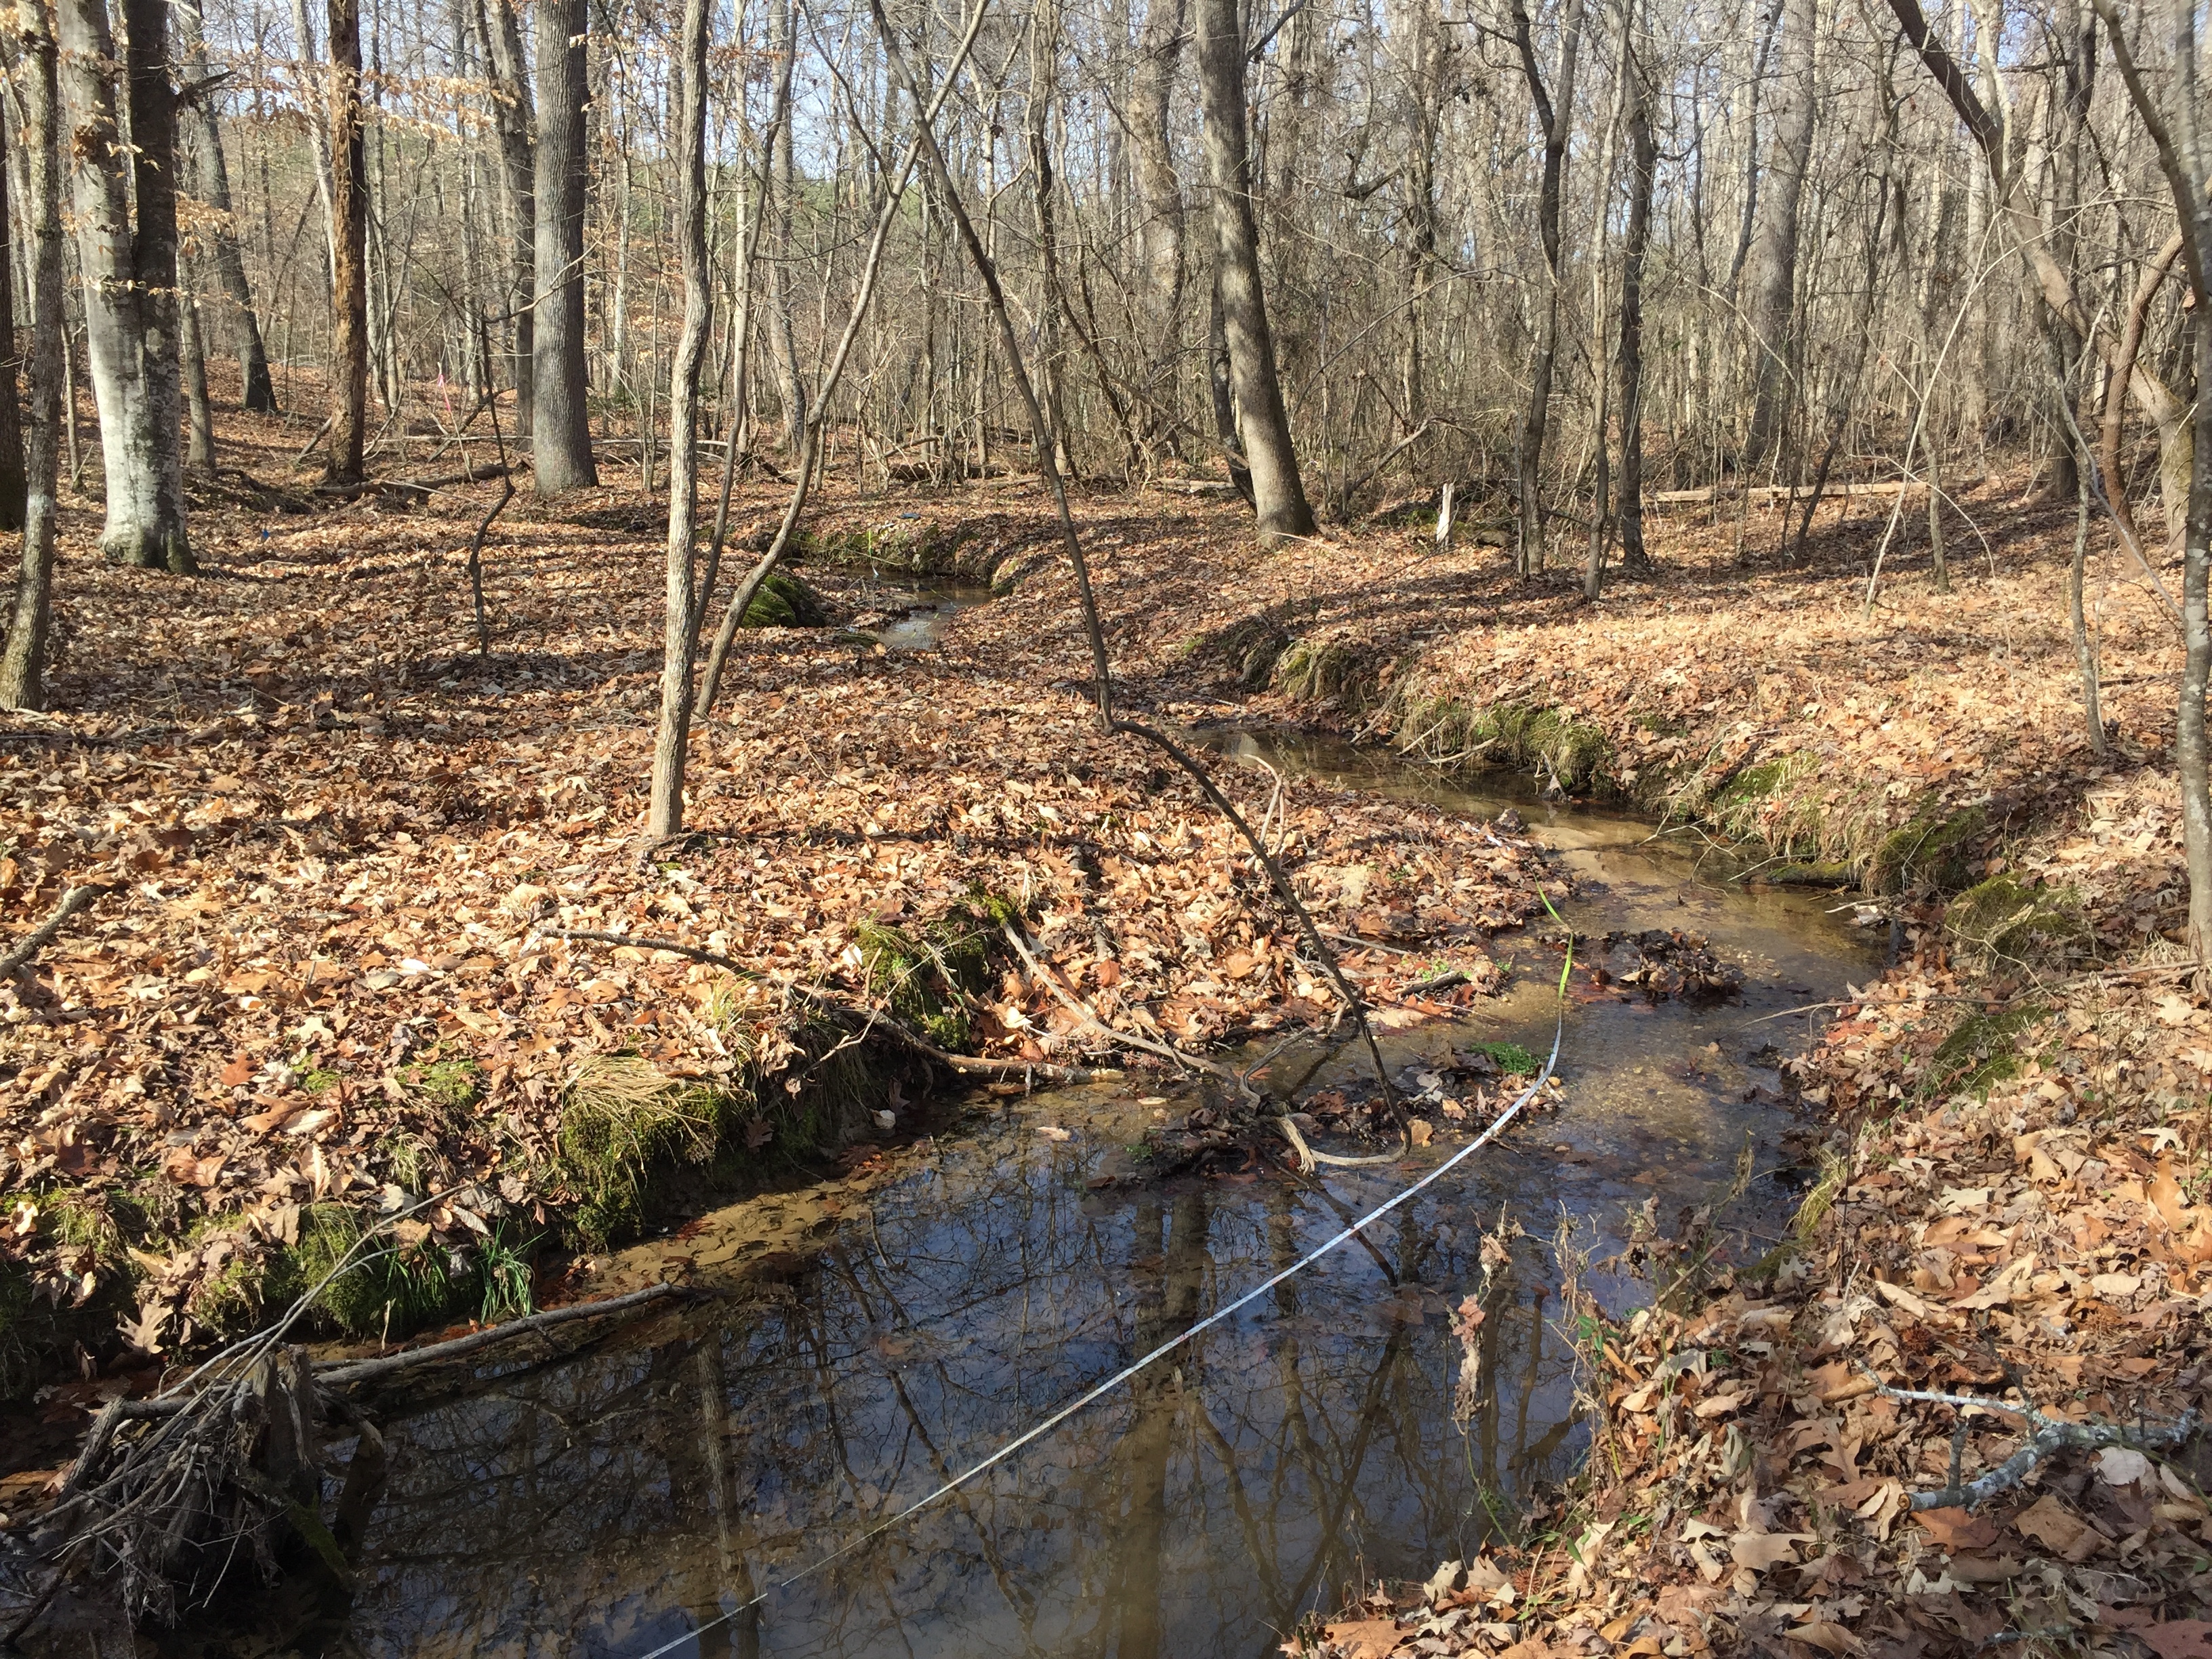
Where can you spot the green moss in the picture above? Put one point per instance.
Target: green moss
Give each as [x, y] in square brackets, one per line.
[619, 1119]
[1251, 649]
[2008, 917]
[1313, 670]
[1981, 1053]
[786, 601]
[927, 973]
[1509, 1058]
[455, 1084]
[388, 1288]
[1931, 848]
[916, 544]
[316, 1078]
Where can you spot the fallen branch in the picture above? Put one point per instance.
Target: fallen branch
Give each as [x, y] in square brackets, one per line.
[2050, 1437]
[348, 1373]
[76, 899]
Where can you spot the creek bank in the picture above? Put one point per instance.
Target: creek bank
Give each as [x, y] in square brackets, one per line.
[328, 979]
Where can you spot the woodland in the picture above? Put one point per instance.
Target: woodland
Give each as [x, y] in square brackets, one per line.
[468, 805]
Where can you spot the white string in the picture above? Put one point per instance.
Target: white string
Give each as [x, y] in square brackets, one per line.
[1130, 1370]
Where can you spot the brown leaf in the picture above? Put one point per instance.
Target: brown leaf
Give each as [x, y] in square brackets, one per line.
[1364, 1638]
[1760, 1551]
[2179, 1638]
[239, 1072]
[2049, 1523]
[1955, 1529]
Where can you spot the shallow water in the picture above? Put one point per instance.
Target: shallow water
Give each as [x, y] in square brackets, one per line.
[615, 1502]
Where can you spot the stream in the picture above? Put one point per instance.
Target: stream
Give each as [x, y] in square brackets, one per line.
[921, 1317]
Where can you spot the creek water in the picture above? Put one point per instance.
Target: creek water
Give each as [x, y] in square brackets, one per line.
[621, 1500]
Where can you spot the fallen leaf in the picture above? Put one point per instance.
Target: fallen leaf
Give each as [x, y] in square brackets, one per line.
[2178, 1638]
[1364, 1638]
[2049, 1523]
[2118, 1465]
[1953, 1528]
[1760, 1551]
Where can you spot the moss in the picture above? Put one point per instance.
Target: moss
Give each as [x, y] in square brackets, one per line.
[2008, 917]
[1510, 1058]
[317, 1078]
[1931, 848]
[786, 601]
[1981, 1053]
[927, 973]
[455, 1084]
[390, 1287]
[620, 1118]
[917, 545]
[1314, 669]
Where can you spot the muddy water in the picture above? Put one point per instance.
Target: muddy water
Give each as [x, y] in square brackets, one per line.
[621, 1500]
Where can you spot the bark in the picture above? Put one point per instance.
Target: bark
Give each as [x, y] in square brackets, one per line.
[1222, 390]
[783, 345]
[2085, 641]
[350, 243]
[514, 119]
[11, 417]
[680, 634]
[1643, 171]
[199, 453]
[22, 664]
[2074, 47]
[1278, 495]
[145, 522]
[561, 439]
[206, 142]
[153, 111]
[1160, 233]
[1774, 246]
[1555, 113]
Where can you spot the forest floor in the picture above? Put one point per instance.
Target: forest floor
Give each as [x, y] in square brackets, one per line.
[322, 983]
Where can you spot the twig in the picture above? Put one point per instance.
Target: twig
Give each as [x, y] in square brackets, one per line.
[1165, 1051]
[2050, 1437]
[76, 899]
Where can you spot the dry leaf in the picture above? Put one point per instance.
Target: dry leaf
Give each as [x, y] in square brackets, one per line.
[1364, 1638]
[1759, 1550]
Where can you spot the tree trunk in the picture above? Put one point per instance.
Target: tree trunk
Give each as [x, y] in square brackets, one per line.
[1222, 390]
[1555, 113]
[783, 184]
[11, 416]
[1644, 165]
[349, 241]
[1774, 244]
[1160, 232]
[260, 393]
[145, 522]
[199, 453]
[681, 631]
[514, 119]
[561, 438]
[152, 110]
[1278, 496]
[22, 666]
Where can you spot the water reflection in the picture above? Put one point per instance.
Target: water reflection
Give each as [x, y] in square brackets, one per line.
[616, 1503]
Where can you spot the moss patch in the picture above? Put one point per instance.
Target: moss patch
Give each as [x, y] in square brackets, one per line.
[1981, 1052]
[786, 601]
[1313, 671]
[390, 1286]
[1250, 649]
[2008, 917]
[1510, 1058]
[620, 1118]
[927, 973]
[1931, 848]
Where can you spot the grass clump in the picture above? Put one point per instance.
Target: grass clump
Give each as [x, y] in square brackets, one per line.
[387, 1287]
[453, 1084]
[1252, 648]
[786, 601]
[1313, 671]
[619, 1119]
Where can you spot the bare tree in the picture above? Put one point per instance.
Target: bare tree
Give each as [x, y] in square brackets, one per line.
[560, 437]
[350, 243]
[1774, 243]
[23, 663]
[206, 135]
[1278, 494]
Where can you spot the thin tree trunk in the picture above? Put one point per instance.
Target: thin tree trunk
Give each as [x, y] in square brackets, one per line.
[1221, 387]
[1643, 163]
[513, 118]
[22, 666]
[1278, 495]
[349, 240]
[199, 453]
[561, 438]
[12, 484]
[1774, 244]
[153, 109]
[1160, 232]
[260, 393]
[1555, 115]
[783, 185]
[680, 636]
[2085, 642]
